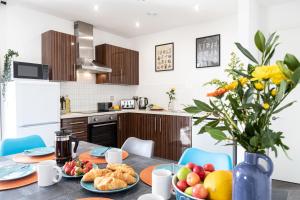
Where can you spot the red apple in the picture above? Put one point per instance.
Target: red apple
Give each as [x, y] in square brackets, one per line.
[182, 185]
[192, 179]
[209, 167]
[202, 175]
[190, 165]
[198, 169]
[199, 191]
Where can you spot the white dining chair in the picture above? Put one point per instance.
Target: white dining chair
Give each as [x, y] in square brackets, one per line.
[139, 147]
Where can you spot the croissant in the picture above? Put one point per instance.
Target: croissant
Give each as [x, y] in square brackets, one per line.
[121, 167]
[123, 176]
[109, 183]
[93, 173]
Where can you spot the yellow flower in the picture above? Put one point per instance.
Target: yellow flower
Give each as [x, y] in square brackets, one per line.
[266, 106]
[259, 86]
[232, 85]
[274, 92]
[272, 72]
[243, 81]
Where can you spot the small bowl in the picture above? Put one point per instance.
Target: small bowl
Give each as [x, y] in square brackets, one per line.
[179, 194]
[150, 197]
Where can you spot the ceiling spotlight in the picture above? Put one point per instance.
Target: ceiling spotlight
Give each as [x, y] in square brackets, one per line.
[137, 24]
[151, 13]
[197, 7]
[96, 7]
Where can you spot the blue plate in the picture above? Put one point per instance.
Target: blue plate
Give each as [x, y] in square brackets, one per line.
[90, 186]
[99, 151]
[16, 171]
[80, 176]
[41, 151]
[171, 167]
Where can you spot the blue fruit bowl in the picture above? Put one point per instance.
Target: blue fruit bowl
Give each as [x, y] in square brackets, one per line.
[179, 194]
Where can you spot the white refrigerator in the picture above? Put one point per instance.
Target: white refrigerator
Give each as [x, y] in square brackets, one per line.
[31, 107]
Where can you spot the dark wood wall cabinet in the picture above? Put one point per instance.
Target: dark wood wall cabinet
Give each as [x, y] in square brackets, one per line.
[164, 130]
[124, 64]
[78, 126]
[59, 53]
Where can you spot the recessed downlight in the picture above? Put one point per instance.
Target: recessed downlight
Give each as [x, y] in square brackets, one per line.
[96, 7]
[152, 13]
[197, 7]
[137, 24]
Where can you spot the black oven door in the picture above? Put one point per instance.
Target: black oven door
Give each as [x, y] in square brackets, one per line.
[30, 70]
[104, 134]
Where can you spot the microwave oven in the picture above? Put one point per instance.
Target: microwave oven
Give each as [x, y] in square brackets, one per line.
[30, 70]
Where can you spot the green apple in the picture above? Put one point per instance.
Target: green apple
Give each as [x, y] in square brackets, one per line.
[189, 191]
[182, 173]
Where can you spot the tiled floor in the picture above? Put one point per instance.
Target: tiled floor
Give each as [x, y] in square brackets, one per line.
[285, 190]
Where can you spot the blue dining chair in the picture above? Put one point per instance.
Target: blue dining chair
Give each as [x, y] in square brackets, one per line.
[17, 145]
[221, 161]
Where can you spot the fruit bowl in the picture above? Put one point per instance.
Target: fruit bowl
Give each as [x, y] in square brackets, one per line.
[179, 194]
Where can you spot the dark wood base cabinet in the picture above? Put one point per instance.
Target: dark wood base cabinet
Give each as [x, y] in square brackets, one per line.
[164, 130]
[78, 126]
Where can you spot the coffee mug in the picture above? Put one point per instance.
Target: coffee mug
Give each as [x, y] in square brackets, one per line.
[114, 155]
[73, 152]
[48, 173]
[161, 183]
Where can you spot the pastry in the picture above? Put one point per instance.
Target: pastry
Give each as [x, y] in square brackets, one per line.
[93, 173]
[109, 183]
[121, 167]
[129, 179]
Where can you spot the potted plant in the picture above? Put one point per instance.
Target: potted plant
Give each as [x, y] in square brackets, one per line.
[6, 74]
[171, 95]
[244, 109]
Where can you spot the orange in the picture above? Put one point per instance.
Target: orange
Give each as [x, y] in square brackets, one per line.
[219, 185]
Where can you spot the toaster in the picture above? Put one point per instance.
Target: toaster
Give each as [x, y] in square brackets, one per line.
[127, 104]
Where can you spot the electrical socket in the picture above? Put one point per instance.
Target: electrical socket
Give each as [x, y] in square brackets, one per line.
[112, 98]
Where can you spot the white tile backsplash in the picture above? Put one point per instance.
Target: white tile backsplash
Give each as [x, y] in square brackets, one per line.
[85, 93]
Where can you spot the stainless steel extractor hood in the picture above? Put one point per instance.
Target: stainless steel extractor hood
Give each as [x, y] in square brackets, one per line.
[85, 49]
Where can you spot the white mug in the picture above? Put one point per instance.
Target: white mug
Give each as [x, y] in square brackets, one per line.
[48, 173]
[114, 155]
[161, 183]
[150, 197]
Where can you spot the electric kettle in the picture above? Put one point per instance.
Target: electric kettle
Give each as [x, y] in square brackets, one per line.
[143, 102]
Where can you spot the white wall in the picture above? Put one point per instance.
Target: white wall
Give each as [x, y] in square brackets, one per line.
[185, 78]
[23, 33]
[285, 20]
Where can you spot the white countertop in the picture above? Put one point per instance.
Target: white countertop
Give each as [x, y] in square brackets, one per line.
[163, 112]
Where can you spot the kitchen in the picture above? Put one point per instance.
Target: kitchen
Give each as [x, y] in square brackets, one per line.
[121, 94]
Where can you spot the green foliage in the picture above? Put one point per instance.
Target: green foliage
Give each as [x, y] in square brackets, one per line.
[243, 114]
[171, 94]
[6, 74]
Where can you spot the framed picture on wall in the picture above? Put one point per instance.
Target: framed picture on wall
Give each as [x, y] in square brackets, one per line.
[208, 51]
[164, 57]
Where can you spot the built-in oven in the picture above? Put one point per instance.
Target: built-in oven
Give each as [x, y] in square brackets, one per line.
[103, 130]
[30, 70]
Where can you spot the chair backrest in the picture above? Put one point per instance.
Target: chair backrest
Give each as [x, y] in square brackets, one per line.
[17, 145]
[221, 161]
[139, 147]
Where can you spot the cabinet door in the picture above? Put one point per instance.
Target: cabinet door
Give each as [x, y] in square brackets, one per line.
[59, 53]
[103, 56]
[176, 135]
[134, 67]
[117, 62]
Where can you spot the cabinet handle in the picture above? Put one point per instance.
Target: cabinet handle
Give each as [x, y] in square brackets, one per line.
[160, 124]
[121, 75]
[119, 123]
[155, 124]
[74, 123]
[78, 132]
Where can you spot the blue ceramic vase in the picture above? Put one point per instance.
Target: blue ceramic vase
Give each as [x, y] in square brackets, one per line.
[251, 181]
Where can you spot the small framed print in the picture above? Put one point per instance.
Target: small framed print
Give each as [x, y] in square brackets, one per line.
[164, 57]
[208, 51]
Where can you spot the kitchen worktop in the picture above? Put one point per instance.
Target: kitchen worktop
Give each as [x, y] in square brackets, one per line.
[163, 112]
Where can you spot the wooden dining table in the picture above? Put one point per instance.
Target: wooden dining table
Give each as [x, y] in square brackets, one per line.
[70, 189]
